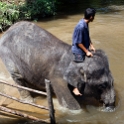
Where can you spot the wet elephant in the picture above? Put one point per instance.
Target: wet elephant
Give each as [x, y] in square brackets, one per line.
[31, 55]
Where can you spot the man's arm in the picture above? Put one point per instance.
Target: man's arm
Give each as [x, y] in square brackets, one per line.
[88, 53]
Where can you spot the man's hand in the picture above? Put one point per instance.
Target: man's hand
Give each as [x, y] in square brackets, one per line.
[89, 54]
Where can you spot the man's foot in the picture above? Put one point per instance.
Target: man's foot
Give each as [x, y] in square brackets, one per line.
[76, 92]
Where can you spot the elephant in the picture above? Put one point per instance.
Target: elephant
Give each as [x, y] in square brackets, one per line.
[31, 54]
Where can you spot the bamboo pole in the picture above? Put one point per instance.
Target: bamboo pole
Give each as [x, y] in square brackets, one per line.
[50, 102]
[24, 88]
[18, 100]
[48, 94]
[18, 113]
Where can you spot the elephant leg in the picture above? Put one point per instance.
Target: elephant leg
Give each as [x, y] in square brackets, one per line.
[24, 94]
[19, 80]
[64, 95]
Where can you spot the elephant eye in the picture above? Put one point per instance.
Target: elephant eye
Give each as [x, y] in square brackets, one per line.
[103, 86]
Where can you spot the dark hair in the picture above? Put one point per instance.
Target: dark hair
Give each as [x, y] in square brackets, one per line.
[89, 12]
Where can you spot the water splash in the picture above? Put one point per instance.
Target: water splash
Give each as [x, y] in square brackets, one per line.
[106, 109]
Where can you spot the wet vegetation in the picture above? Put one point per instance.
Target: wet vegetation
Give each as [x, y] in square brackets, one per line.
[12, 11]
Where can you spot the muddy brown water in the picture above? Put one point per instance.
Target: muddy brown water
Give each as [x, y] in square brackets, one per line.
[107, 33]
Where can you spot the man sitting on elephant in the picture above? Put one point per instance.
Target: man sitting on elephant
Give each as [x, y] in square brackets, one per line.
[81, 39]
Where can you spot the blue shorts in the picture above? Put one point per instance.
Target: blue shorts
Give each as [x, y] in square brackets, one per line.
[78, 58]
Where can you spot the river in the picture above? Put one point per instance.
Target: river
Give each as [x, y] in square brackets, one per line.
[107, 33]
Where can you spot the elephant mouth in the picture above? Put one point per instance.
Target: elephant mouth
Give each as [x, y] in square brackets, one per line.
[108, 107]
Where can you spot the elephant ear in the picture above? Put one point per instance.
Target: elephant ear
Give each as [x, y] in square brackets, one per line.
[82, 81]
[81, 86]
[83, 74]
[71, 75]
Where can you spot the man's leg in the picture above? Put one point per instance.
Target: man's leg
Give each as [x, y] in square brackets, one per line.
[78, 58]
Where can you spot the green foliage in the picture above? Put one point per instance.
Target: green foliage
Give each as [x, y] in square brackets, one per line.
[42, 8]
[33, 10]
[9, 13]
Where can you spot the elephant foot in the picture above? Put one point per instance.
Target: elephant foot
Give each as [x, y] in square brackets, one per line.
[28, 99]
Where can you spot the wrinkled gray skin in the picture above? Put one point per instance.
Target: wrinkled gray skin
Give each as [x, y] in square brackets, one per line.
[32, 55]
